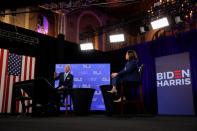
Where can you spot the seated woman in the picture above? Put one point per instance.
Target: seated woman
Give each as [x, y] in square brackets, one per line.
[129, 73]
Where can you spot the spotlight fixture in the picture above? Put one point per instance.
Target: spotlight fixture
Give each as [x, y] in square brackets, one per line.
[160, 23]
[116, 38]
[142, 29]
[178, 19]
[86, 46]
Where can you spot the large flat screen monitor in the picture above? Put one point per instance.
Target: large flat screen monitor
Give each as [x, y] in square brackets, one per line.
[89, 75]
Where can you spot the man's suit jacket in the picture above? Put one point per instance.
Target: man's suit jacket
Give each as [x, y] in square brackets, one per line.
[67, 82]
[130, 71]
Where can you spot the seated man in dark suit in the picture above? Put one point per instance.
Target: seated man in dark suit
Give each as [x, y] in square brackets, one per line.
[65, 82]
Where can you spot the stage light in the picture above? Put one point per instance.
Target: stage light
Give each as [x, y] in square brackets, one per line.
[178, 19]
[86, 46]
[116, 38]
[160, 23]
[142, 30]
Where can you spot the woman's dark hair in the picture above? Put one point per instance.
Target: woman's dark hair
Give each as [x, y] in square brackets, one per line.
[132, 54]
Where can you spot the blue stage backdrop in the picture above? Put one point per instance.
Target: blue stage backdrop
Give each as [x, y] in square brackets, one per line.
[89, 76]
[174, 85]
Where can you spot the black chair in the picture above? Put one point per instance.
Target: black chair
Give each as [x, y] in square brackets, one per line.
[68, 105]
[67, 99]
[19, 89]
[45, 99]
[136, 101]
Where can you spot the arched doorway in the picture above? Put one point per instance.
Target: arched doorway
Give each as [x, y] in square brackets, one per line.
[88, 21]
[43, 25]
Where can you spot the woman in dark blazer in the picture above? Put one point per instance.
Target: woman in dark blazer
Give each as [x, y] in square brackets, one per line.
[129, 73]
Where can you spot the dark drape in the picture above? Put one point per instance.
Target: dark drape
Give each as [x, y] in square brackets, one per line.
[147, 52]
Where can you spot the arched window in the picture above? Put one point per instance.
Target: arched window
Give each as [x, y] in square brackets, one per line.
[43, 25]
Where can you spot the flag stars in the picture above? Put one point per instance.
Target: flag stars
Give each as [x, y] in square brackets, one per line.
[14, 64]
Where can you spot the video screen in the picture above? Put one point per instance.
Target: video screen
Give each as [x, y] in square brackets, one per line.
[89, 76]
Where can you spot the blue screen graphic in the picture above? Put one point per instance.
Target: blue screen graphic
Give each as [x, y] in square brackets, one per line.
[89, 76]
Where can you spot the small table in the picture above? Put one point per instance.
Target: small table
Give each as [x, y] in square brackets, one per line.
[82, 99]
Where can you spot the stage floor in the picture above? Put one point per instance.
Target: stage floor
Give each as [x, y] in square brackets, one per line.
[99, 122]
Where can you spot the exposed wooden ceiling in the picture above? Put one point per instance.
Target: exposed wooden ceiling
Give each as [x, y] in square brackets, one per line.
[112, 4]
[13, 4]
[119, 9]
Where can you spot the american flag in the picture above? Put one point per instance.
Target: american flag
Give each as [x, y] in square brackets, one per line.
[13, 68]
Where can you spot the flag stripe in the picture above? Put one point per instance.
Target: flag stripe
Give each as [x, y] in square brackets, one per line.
[22, 69]
[27, 78]
[17, 103]
[32, 75]
[33, 68]
[9, 93]
[1, 64]
[30, 66]
[6, 94]
[22, 79]
[3, 80]
[12, 80]
[2, 77]
[27, 68]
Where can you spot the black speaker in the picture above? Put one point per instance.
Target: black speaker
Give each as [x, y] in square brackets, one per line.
[82, 99]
